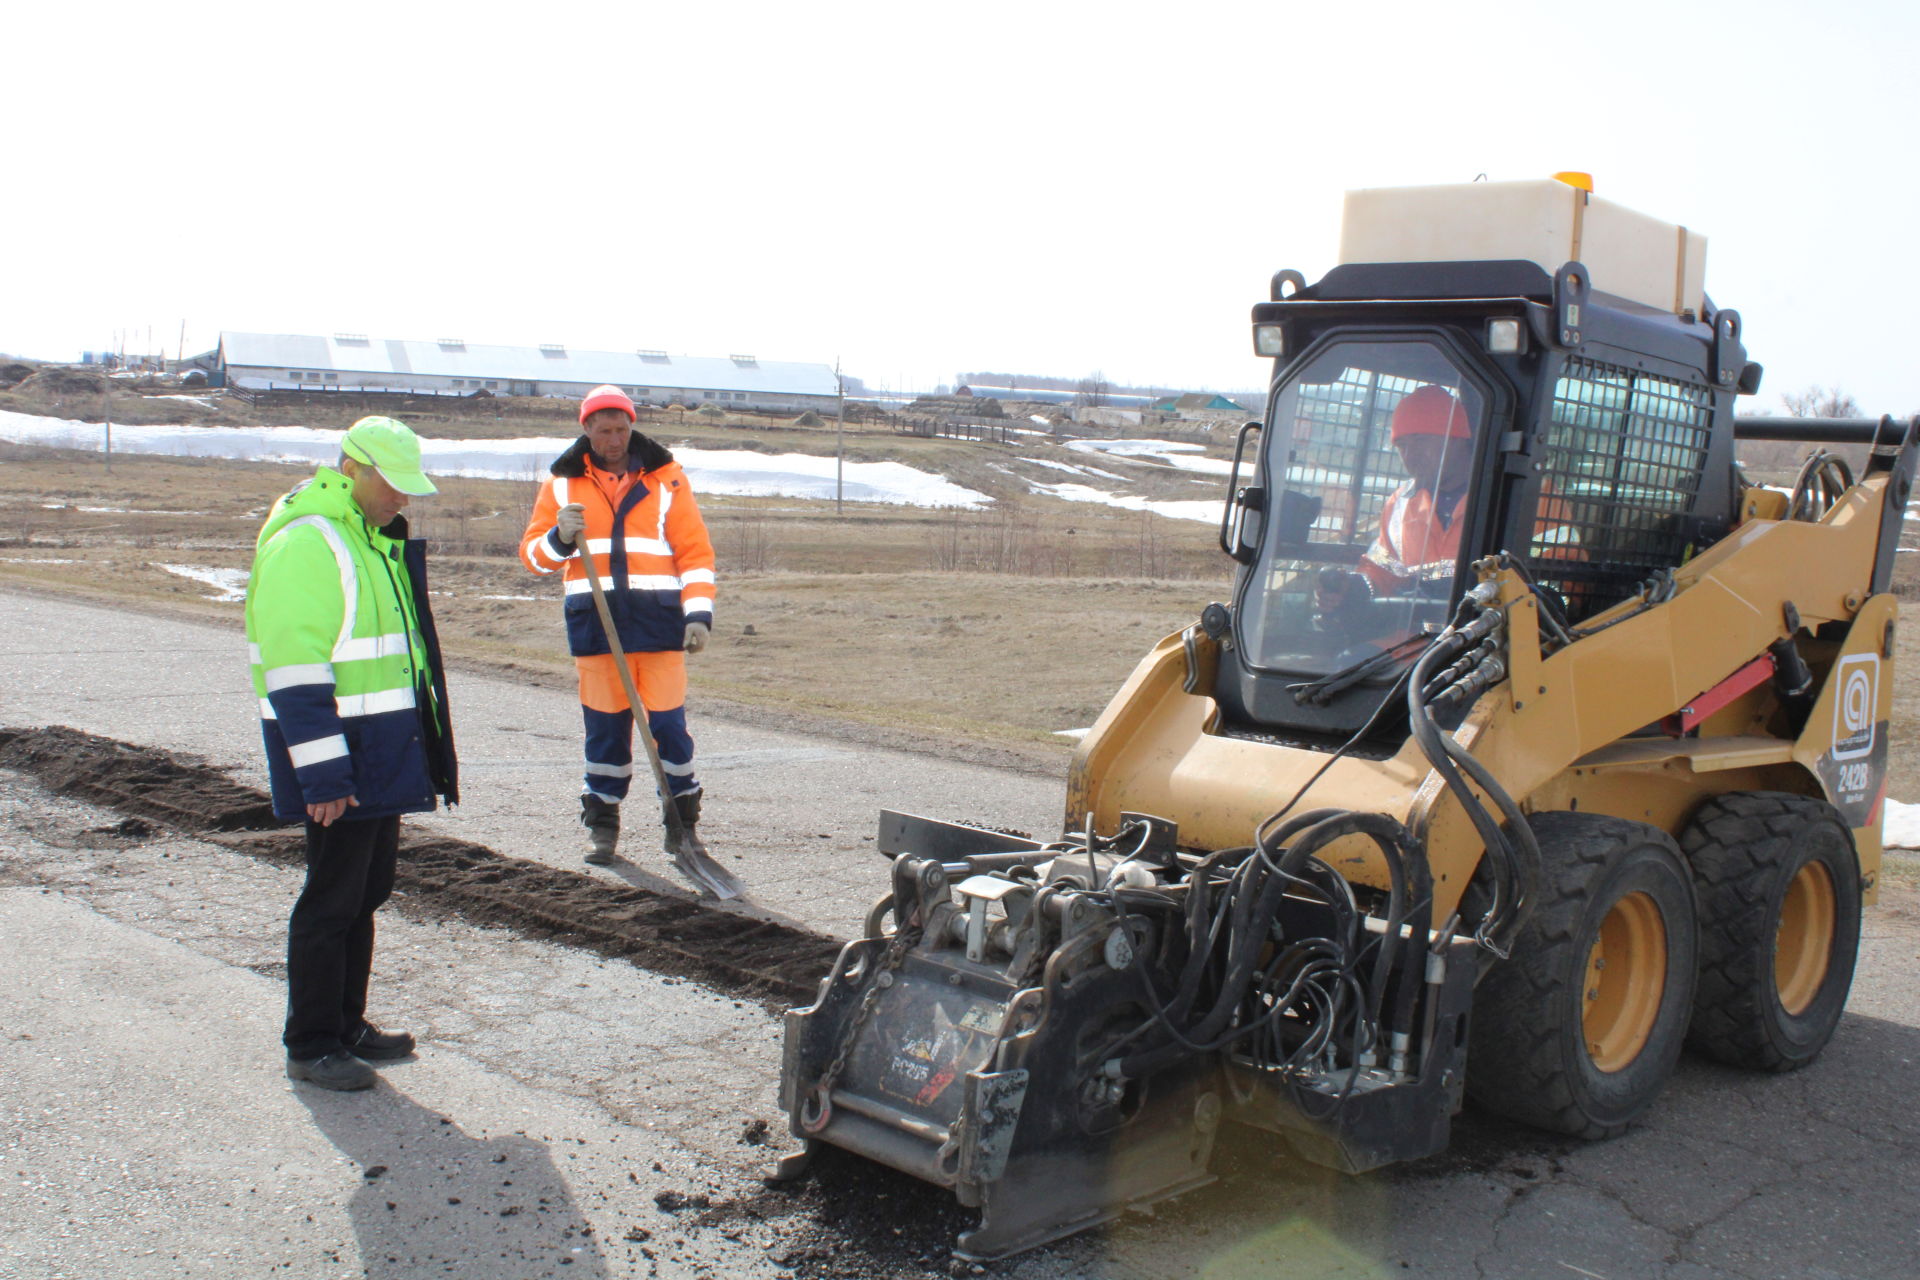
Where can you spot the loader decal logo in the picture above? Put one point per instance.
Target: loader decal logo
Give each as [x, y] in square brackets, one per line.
[1853, 768]
[1855, 705]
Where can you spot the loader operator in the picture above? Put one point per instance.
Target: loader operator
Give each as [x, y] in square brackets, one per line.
[1419, 534]
[353, 705]
[1420, 524]
[622, 497]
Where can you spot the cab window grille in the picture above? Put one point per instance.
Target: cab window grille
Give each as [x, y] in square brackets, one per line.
[1343, 454]
[1620, 472]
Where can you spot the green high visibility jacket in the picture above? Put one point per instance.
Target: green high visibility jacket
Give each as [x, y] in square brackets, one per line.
[346, 664]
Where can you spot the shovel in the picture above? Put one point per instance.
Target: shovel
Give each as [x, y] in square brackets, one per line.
[702, 870]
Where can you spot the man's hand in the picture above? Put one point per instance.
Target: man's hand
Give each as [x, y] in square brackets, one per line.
[696, 636]
[327, 812]
[571, 520]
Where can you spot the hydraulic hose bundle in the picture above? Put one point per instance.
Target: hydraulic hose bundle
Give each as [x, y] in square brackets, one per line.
[1238, 979]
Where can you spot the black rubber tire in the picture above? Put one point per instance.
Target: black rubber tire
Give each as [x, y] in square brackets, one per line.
[1528, 1057]
[1746, 848]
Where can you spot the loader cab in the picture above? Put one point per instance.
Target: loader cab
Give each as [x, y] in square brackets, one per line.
[1422, 416]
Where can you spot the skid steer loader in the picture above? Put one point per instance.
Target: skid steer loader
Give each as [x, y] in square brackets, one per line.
[1501, 781]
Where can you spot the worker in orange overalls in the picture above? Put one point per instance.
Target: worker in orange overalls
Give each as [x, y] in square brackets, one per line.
[624, 498]
[1420, 525]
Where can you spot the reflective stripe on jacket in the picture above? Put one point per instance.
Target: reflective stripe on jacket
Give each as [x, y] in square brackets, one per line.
[1413, 543]
[651, 551]
[345, 664]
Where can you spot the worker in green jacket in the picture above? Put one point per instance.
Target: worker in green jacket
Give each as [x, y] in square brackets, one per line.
[353, 709]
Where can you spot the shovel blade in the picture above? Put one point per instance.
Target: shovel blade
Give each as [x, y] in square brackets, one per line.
[712, 878]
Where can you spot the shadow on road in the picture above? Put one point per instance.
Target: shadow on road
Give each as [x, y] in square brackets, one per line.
[437, 1200]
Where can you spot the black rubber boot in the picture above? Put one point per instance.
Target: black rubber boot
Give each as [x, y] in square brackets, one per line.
[688, 807]
[602, 821]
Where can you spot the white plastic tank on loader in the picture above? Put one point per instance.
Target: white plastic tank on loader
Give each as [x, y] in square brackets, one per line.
[1630, 255]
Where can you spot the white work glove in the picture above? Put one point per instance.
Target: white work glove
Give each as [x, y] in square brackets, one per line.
[697, 633]
[571, 520]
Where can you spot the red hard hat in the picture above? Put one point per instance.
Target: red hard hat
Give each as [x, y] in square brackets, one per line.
[608, 397]
[1430, 411]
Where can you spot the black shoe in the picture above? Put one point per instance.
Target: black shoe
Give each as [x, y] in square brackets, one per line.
[380, 1046]
[602, 821]
[340, 1070]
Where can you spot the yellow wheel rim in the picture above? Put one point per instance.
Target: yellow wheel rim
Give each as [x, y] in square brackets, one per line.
[1804, 942]
[1626, 976]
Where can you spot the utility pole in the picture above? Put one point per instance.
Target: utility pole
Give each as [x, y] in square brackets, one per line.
[106, 420]
[839, 442]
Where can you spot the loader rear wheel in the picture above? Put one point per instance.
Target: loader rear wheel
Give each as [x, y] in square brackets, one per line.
[1779, 887]
[1578, 1031]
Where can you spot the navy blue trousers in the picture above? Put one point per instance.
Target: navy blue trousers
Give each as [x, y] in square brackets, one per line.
[330, 936]
[610, 751]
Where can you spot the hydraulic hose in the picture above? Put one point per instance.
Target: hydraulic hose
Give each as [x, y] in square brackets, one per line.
[1516, 872]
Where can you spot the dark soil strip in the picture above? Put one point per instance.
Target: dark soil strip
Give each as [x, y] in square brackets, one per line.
[682, 937]
[183, 792]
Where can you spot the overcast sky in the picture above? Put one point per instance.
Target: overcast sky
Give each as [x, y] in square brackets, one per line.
[919, 189]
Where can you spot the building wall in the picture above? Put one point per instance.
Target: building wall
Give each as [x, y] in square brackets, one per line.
[278, 379]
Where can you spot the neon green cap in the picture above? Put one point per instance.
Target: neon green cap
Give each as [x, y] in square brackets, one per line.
[392, 449]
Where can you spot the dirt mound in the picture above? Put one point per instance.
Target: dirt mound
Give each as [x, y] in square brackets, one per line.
[809, 419]
[14, 372]
[61, 382]
[179, 791]
[682, 937]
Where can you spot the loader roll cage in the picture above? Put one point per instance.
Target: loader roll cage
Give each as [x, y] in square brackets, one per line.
[1599, 455]
[1330, 584]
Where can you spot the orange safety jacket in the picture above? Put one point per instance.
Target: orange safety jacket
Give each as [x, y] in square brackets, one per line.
[645, 538]
[1414, 545]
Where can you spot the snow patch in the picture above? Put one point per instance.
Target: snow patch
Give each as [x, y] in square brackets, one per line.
[1206, 511]
[1900, 825]
[729, 472]
[1169, 453]
[230, 583]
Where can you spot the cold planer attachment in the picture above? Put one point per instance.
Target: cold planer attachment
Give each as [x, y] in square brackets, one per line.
[1058, 1031]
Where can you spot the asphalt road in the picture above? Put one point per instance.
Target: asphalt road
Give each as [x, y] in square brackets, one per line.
[564, 1106]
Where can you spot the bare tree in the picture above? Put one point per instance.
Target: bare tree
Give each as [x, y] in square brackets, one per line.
[1822, 402]
[1092, 391]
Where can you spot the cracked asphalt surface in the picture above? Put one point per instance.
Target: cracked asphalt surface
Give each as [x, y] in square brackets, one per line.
[573, 1113]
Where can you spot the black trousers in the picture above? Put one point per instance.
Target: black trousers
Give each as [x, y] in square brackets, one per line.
[330, 937]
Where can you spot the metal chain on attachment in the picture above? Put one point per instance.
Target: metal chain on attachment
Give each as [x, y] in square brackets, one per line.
[890, 961]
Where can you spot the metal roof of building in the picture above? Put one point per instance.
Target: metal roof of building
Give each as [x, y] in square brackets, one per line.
[353, 353]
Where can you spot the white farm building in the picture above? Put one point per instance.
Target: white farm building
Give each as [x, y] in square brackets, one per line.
[355, 362]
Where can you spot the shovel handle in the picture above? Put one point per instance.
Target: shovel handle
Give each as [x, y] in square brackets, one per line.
[668, 810]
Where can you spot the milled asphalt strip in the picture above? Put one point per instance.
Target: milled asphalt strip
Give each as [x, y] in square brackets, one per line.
[665, 932]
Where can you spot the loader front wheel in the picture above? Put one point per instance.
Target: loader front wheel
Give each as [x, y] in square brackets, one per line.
[1579, 1029]
[1779, 887]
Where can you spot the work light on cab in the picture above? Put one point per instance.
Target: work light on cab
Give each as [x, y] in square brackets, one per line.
[1504, 336]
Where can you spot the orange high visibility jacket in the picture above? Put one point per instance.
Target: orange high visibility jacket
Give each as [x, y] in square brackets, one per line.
[1413, 543]
[650, 549]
